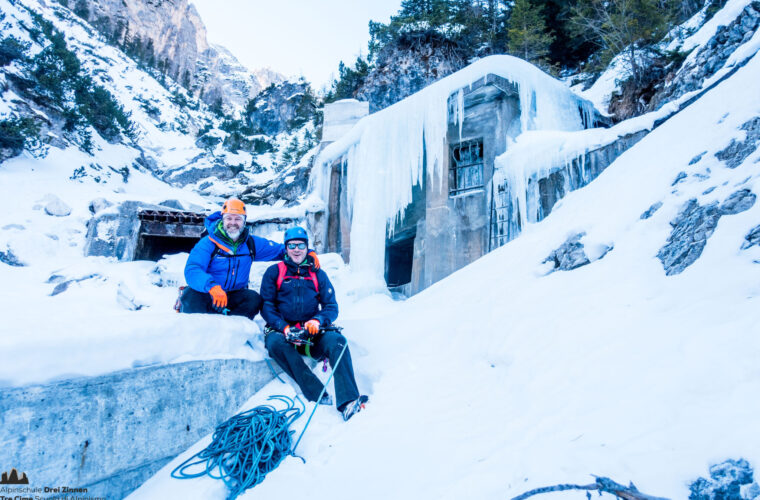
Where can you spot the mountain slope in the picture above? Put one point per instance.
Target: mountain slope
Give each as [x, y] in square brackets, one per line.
[506, 376]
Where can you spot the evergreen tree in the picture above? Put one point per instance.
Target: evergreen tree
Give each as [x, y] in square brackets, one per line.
[527, 33]
[623, 26]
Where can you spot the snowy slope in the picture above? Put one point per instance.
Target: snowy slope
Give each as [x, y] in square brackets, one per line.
[502, 378]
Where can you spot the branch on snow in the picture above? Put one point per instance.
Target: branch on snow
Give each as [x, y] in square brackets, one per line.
[602, 485]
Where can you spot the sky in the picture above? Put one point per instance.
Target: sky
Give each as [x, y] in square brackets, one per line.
[294, 37]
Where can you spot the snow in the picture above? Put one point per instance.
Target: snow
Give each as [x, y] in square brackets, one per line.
[723, 17]
[500, 379]
[384, 151]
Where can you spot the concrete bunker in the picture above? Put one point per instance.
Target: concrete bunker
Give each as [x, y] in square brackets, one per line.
[455, 220]
[139, 231]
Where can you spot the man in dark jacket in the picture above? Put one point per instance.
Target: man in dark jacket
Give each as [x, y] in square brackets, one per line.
[296, 295]
[219, 266]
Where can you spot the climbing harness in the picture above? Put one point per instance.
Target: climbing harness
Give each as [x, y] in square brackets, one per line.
[248, 446]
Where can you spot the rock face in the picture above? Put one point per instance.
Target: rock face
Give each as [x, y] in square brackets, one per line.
[171, 35]
[712, 56]
[738, 151]
[693, 227]
[408, 65]
[282, 108]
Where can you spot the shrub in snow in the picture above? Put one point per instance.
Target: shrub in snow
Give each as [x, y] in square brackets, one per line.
[726, 480]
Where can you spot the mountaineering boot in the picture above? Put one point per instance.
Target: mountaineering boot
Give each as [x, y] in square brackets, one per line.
[354, 407]
[326, 399]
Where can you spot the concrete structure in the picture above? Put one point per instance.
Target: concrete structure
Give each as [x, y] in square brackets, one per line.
[139, 231]
[110, 433]
[464, 215]
[341, 116]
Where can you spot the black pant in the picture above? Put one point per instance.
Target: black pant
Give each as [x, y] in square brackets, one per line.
[239, 302]
[328, 345]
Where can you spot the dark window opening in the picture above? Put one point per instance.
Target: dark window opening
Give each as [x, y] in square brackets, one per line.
[466, 167]
[399, 257]
[155, 247]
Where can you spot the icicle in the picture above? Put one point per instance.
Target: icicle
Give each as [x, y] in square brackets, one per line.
[386, 152]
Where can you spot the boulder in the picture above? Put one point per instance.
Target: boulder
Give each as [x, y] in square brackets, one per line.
[572, 254]
[738, 202]
[98, 205]
[726, 481]
[56, 207]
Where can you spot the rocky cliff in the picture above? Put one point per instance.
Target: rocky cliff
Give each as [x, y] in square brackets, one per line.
[170, 36]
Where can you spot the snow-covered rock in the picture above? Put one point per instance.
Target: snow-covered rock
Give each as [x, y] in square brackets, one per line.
[56, 206]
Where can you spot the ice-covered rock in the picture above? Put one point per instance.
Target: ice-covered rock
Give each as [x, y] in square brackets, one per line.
[56, 207]
[726, 480]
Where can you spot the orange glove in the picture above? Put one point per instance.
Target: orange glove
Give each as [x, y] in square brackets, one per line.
[218, 297]
[286, 330]
[312, 326]
[314, 259]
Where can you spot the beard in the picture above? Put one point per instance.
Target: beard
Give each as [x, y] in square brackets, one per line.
[234, 232]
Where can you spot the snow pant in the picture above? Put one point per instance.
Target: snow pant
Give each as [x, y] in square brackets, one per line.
[239, 303]
[327, 345]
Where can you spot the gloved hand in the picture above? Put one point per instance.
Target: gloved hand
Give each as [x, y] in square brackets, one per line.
[314, 258]
[312, 326]
[286, 330]
[218, 297]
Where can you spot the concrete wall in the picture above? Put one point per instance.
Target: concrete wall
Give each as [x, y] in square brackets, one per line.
[110, 433]
[456, 229]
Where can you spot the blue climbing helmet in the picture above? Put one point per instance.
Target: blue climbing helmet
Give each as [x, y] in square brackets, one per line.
[296, 233]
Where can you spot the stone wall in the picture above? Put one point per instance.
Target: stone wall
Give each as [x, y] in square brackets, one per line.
[110, 433]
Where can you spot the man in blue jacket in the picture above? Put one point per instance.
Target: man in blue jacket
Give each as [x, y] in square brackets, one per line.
[219, 266]
[297, 295]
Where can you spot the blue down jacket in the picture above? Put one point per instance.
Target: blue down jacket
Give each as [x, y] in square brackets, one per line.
[230, 265]
[297, 300]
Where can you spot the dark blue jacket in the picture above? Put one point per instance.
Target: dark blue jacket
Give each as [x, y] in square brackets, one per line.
[297, 300]
[230, 266]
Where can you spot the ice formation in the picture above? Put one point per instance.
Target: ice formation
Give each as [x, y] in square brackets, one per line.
[385, 153]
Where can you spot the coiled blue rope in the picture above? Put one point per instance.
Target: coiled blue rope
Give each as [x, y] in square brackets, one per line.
[248, 446]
